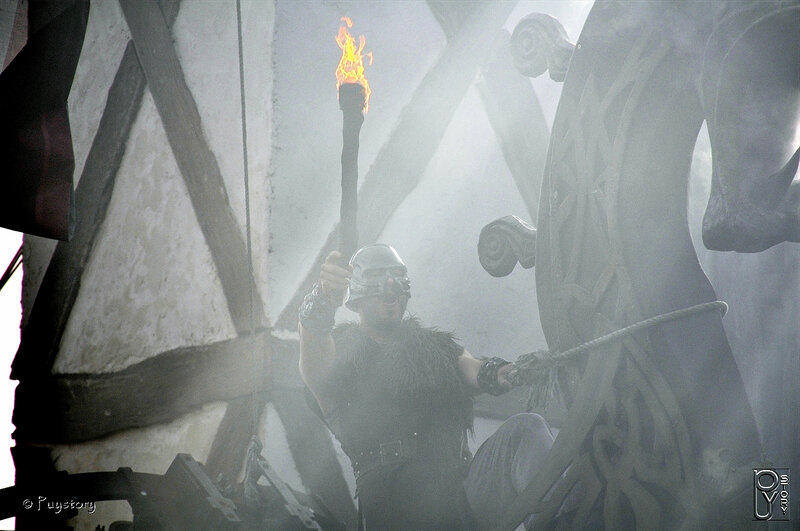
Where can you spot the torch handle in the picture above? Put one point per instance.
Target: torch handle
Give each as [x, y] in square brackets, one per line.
[351, 101]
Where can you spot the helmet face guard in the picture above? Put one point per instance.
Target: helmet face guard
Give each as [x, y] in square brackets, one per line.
[373, 267]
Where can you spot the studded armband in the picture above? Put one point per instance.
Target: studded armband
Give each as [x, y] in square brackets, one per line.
[317, 311]
[487, 376]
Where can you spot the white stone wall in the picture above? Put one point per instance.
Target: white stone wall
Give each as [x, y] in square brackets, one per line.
[149, 450]
[150, 284]
[103, 46]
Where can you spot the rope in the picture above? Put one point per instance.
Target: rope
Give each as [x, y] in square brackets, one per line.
[646, 323]
[12, 268]
[537, 368]
[247, 203]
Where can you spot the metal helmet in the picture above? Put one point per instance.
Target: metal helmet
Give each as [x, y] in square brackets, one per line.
[373, 266]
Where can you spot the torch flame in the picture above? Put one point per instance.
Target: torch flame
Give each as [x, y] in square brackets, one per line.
[351, 65]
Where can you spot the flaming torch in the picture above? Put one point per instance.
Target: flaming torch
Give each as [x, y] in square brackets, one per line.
[354, 93]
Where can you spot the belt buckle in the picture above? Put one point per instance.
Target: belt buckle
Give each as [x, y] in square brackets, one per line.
[391, 452]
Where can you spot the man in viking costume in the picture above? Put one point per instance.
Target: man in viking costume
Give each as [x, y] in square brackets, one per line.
[398, 397]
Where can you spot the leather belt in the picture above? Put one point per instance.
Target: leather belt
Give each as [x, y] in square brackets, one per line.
[385, 454]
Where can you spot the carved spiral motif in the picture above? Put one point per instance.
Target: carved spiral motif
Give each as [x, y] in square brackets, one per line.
[528, 47]
[503, 243]
[496, 253]
[539, 43]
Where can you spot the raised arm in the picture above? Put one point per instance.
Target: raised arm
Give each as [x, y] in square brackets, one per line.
[317, 348]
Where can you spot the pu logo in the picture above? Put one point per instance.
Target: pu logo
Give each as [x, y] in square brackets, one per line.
[771, 493]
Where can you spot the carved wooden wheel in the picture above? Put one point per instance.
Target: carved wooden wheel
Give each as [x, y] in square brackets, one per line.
[624, 456]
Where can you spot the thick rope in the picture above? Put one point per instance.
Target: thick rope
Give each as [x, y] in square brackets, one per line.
[247, 203]
[537, 369]
[12, 268]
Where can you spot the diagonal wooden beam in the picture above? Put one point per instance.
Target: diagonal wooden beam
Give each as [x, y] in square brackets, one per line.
[518, 121]
[309, 442]
[198, 165]
[314, 455]
[511, 105]
[450, 15]
[401, 162]
[61, 283]
[234, 433]
[68, 408]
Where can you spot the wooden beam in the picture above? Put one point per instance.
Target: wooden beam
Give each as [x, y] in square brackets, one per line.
[516, 117]
[70, 408]
[314, 454]
[518, 121]
[450, 15]
[229, 448]
[197, 163]
[309, 440]
[61, 283]
[511, 105]
[401, 162]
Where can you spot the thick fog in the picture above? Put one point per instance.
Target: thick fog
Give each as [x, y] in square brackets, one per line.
[464, 181]
[762, 324]
[465, 185]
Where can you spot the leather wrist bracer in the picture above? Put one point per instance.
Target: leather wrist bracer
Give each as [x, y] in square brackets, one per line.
[487, 376]
[317, 311]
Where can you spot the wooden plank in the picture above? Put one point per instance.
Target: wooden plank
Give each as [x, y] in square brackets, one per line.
[61, 282]
[70, 408]
[82, 407]
[309, 440]
[401, 162]
[198, 165]
[314, 454]
[511, 105]
[518, 121]
[450, 15]
[229, 449]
